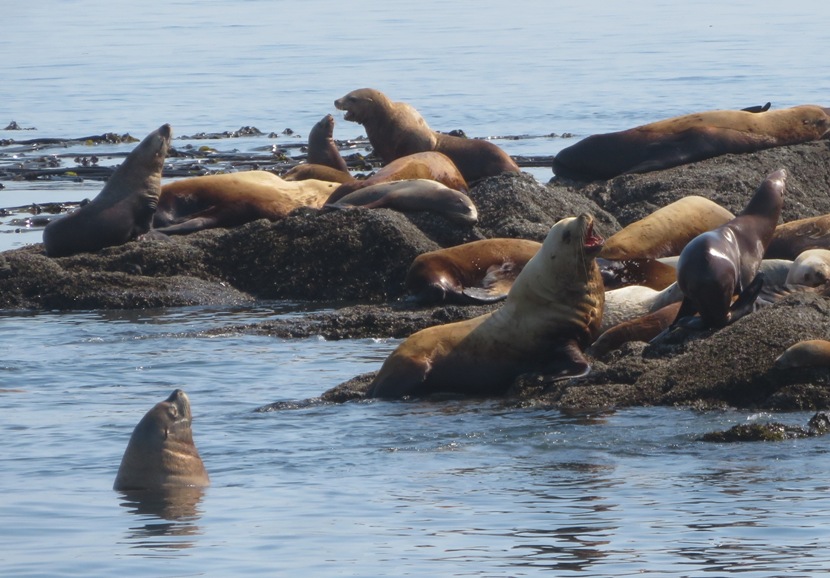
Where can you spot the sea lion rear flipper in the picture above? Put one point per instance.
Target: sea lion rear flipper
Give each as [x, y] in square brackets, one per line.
[567, 362]
[759, 108]
[482, 295]
[189, 226]
[745, 303]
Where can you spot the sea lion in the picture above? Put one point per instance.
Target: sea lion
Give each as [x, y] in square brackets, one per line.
[643, 328]
[553, 310]
[477, 272]
[305, 171]
[724, 262]
[322, 150]
[124, 208]
[633, 301]
[233, 199]
[161, 453]
[811, 268]
[809, 353]
[427, 165]
[396, 129]
[687, 139]
[650, 273]
[412, 195]
[793, 238]
[667, 230]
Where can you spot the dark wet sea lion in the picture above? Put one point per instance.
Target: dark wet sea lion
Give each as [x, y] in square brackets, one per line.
[724, 262]
[552, 311]
[477, 272]
[233, 199]
[322, 150]
[412, 195]
[161, 453]
[793, 238]
[124, 208]
[396, 129]
[687, 139]
[427, 165]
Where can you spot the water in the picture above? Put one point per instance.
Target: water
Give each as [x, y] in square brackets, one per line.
[459, 488]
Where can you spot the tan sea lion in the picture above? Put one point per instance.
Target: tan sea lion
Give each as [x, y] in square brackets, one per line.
[809, 353]
[689, 138]
[643, 328]
[477, 272]
[322, 150]
[124, 208]
[396, 129]
[233, 199]
[667, 230]
[810, 268]
[793, 238]
[724, 262]
[412, 195]
[427, 165]
[553, 310]
[305, 171]
[161, 453]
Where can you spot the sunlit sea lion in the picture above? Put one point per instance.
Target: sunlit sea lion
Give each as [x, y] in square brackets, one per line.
[161, 453]
[305, 171]
[477, 272]
[724, 262]
[396, 129]
[427, 165]
[810, 353]
[412, 195]
[811, 268]
[687, 139]
[233, 199]
[633, 301]
[552, 312]
[322, 150]
[124, 208]
[793, 238]
[643, 328]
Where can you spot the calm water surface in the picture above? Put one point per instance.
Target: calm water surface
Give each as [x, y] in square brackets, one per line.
[459, 488]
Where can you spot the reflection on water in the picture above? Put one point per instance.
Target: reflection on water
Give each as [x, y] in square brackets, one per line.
[167, 516]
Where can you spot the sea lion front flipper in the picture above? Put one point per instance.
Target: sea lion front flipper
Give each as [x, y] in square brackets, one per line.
[759, 108]
[745, 303]
[495, 285]
[398, 377]
[567, 361]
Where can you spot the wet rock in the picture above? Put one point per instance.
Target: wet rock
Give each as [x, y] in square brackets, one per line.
[771, 431]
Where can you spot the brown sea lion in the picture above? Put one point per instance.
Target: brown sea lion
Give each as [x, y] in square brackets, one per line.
[161, 453]
[810, 268]
[809, 353]
[322, 150]
[233, 199]
[427, 165]
[633, 301]
[643, 328]
[724, 262]
[649, 273]
[396, 129]
[667, 230]
[552, 311]
[687, 139]
[124, 208]
[412, 195]
[305, 171]
[477, 272]
[793, 238]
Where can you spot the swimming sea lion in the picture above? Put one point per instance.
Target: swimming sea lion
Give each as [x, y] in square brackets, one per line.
[412, 195]
[124, 208]
[307, 171]
[161, 453]
[793, 238]
[322, 150]
[687, 139]
[811, 268]
[477, 272]
[233, 199]
[667, 230]
[809, 353]
[724, 262]
[552, 311]
[396, 129]
[427, 165]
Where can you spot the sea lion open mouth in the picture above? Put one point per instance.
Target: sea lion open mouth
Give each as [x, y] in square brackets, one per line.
[593, 241]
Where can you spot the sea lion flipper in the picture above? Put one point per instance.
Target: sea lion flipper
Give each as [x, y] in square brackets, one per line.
[745, 303]
[189, 226]
[758, 108]
[482, 295]
[568, 361]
